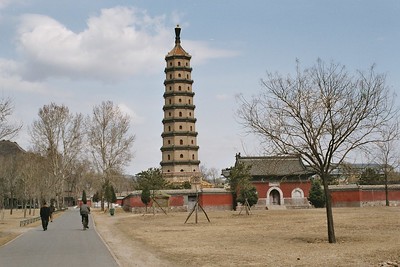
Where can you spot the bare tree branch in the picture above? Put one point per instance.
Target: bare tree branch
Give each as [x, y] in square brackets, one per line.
[7, 129]
[323, 113]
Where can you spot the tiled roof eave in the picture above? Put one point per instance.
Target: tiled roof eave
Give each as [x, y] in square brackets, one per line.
[178, 51]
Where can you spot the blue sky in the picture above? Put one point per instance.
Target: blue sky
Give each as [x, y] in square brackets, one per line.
[80, 53]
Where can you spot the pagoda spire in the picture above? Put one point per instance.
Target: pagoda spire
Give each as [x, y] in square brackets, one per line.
[177, 34]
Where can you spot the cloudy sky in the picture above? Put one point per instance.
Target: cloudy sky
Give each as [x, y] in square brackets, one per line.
[80, 53]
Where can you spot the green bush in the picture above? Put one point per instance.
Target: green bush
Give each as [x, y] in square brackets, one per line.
[317, 196]
[145, 196]
[250, 193]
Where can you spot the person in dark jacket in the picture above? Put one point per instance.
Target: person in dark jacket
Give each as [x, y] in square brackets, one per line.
[45, 215]
[85, 211]
[52, 209]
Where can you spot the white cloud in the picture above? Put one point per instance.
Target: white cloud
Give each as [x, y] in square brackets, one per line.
[115, 45]
[118, 43]
[202, 52]
[135, 118]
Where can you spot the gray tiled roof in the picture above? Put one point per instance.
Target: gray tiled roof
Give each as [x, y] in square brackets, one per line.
[275, 165]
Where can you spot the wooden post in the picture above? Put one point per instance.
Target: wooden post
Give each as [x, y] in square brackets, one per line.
[196, 181]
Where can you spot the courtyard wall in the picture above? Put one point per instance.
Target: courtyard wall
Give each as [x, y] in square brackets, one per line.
[364, 195]
[181, 200]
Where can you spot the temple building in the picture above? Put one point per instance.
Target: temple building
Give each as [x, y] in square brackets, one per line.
[180, 161]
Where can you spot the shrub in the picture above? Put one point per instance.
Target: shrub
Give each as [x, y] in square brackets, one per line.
[250, 193]
[317, 196]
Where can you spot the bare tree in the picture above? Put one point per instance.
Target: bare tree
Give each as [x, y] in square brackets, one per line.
[34, 178]
[387, 154]
[58, 136]
[110, 142]
[7, 129]
[322, 113]
[123, 183]
[210, 174]
[9, 175]
[3, 190]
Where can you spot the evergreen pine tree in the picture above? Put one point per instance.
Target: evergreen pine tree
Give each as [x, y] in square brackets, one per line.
[145, 196]
[317, 196]
[84, 199]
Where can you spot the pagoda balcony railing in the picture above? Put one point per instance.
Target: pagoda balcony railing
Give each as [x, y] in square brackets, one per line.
[178, 93]
[177, 68]
[179, 147]
[179, 133]
[179, 106]
[175, 80]
[180, 162]
[179, 119]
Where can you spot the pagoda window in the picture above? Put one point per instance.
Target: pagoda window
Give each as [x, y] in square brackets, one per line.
[181, 156]
[181, 142]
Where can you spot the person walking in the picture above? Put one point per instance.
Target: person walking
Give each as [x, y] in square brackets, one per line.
[45, 215]
[52, 209]
[85, 211]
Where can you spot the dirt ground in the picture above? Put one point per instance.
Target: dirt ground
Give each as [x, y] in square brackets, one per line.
[9, 224]
[365, 237]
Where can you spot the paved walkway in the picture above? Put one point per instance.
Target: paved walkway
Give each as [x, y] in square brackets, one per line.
[63, 244]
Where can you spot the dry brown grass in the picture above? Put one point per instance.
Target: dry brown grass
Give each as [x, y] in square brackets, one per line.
[365, 237]
[9, 225]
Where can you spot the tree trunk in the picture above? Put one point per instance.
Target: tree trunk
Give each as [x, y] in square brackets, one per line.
[24, 207]
[12, 203]
[329, 214]
[386, 190]
[234, 200]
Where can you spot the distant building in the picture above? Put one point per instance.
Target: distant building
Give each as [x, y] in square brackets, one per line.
[279, 180]
[351, 173]
[180, 161]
